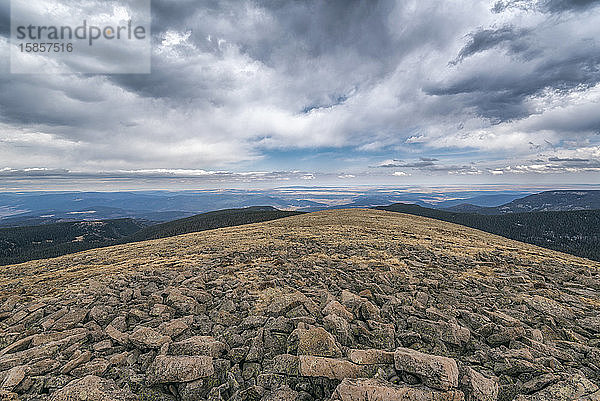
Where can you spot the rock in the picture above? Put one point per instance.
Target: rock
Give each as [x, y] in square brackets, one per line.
[198, 345]
[539, 382]
[435, 371]
[379, 390]
[178, 369]
[285, 364]
[371, 357]
[73, 318]
[92, 388]
[8, 396]
[350, 300]
[550, 307]
[282, 394]
[101, 314]
[576, 387]
[286, 302]
[176, 327]
[184, 304]
[96, 367]
[590, 323]
[339, 327]
[335, 369]
[369, 311]
[317, 342]
[116, 335]
[14, 377]
[447, 332]
[256, 351]
[145, 337]
[477, 387]
[78, 359]
[337, 309]
[505, 335]
[253, 322]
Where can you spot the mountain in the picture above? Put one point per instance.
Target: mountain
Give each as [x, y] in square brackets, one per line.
[554, 201]
[488, 200]
[574, 232]
[541, 202]
[337, 305]
[91, 214]
[19, 244]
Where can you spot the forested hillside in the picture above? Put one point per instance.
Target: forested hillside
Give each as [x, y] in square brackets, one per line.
[20, 244]
[574, 232]
[209, 221]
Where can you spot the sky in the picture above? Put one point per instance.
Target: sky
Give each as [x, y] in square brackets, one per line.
[337, 92]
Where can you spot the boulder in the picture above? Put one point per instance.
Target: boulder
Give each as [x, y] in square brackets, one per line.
[371, 357]
[336, 308]
[72, 319]
[179, 369]
[434, 371]
[577, 387]
[378, 390]
[590, 323]
[145, 337]
[282, 394]
[477, 387]
[116, 335]
[92, 388]
[318, 342]
[339, 327]
[335, 369]
[198, 345]
[13, 377]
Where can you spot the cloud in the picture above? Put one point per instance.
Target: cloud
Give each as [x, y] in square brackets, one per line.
[552, 6]
[515, 39]
[424, 162]
[254, 85]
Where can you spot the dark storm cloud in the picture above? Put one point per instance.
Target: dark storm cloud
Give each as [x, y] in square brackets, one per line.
[285, 36]
[552, 6]
[574, 163]
[5, 18]
[500, 95]
[561, 159]
[515, 39]
[564, 5]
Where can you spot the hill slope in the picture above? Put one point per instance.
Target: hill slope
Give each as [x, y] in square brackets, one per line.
[548, 201]
[210, 220]
[325, 306]
[20, 244]
[574, 232]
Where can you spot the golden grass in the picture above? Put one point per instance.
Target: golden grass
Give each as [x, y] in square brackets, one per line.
[366, 233]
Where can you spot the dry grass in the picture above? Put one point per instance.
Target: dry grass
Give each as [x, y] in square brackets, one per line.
[366, 233]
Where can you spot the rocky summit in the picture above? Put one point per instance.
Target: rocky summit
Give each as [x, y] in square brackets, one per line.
[347, 305]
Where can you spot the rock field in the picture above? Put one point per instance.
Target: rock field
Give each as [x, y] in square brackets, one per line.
[348, 305]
